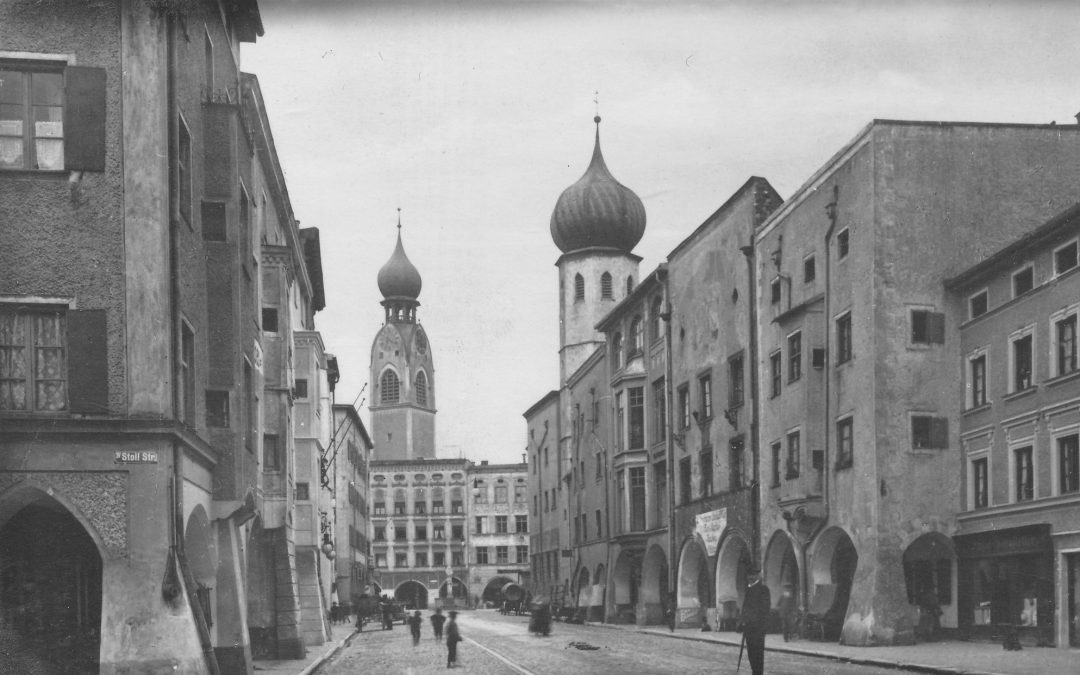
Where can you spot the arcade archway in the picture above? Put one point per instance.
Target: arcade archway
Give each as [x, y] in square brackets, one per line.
[654, 585]
[624, 585]
[832, 571]
[50, 587]
[584, 588]
[695, 584]
[413, 593]
[493, 590]
[929, 562]
[732, 567]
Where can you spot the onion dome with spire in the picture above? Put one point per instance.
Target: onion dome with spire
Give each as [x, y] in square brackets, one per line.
[597, 211]
[399, 281]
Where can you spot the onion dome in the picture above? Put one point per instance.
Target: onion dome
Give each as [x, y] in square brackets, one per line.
[399, 278]
[597, 210]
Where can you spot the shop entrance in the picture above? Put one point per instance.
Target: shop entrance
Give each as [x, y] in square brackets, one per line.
[50, 592]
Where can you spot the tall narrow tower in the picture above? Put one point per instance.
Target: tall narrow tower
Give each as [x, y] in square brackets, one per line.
[596, 224]
[402, 371]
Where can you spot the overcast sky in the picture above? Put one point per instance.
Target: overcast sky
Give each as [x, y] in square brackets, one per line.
[472, 117]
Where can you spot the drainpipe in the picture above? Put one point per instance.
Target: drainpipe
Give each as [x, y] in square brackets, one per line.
[755, 496]
[670, 440]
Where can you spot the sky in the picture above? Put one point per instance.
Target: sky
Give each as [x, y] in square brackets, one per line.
[473, 116]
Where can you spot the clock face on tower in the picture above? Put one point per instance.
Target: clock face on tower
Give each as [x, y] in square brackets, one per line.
[390, 342]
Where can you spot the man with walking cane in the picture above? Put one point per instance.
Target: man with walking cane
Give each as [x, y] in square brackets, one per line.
[753, 621]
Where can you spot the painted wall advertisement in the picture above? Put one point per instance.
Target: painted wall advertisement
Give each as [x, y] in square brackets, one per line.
[709, 526]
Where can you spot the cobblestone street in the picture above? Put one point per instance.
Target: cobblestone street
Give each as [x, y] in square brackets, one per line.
[495, 645]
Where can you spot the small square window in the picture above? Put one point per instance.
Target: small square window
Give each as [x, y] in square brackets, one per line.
[978, 304]
[928, 431]
[809, 270]
[271, 454]
[303, 492]
[217, 409]
[1065, 258]
[270, 319]
[927, 327]
[1023, 281]
[300, 389]
[843, 243]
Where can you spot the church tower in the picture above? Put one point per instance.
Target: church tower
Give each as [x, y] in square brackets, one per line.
[596, 223]
[402, 371]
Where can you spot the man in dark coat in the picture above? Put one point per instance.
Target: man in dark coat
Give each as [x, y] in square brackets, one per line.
[452, 638]
[415, 621]
[754, 620]
[437, 621]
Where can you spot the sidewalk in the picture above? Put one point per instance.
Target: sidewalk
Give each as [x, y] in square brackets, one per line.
[315, 655]
[952, 657]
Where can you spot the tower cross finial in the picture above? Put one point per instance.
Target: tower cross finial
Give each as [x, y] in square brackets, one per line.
[399, 218]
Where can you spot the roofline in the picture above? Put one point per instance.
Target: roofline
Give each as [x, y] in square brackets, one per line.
[544, 400]
[655, 278]
[1065, 221]
[419, 462]
[593, 250]
[586, 366]
[709, 221]
[517, 467]
[351, 412]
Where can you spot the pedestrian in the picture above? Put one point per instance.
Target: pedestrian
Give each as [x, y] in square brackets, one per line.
[786, 606]
[453, 636]
[437, 621]
[415, 622]
[387, 618]
[754, 620]
[669, 613]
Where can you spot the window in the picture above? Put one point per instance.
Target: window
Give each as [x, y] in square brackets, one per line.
[457, 532]
[480, 523]
[438, 501]
[303, 492]
[636, 398]
[685, 474]
[599, 465]
[775, 291]
[520, 493]
[843, 243]
[521, 524]
[656, 314]
[457, 507]
[579, 288]
[735, 381]
[420, 508]
[775, 373]
[1023, 281]
[979, 478]
[380, 503]
[380, 533]
[401, 560]
[927, 327]
[421, 559]
[845, 442]
[501, 525]
[1065, 258]
[659, 411]
[705, 388]
[270, 319]
[438, 532]
[637, 336]
[776, 451]
[794, 343]
[637, 498]
[502, 555]
[251, 401]
[1025, 474]
[843, 338]
[399, 507]
[684, 407]
[736, 479]
[187, 370]
[605, 286]
[620, 422]
[660, 503]
[183, 169]
[421, 388]
[438, 559]
[33, 360]
[389, 387]
[501, 494]
[1069, 463]
[629, 285]
[617, 350]
[457, 558]
[809, 269]
[522, 555]
[217, 408]
[271, 453]
[400, 533]
[481, 555]
[793, 456]
[705, 459]
[1064, 333]
[929, 432]
[977, 380]
[380, 560]
[978, 304]
[1022, 362]
[214, 222]
[421, 533]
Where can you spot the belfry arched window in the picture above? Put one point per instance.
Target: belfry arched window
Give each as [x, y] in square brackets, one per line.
[421, 388]
[629, 285]
[579, 287]
[605, 286]
[389, 387]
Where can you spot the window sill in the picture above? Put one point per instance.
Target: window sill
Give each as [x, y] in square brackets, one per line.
[36, 173]
[846, 464]
[1020, 394]
[1067, 377]
[979, 408]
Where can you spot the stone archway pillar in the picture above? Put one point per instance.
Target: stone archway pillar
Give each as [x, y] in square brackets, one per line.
[233, 645]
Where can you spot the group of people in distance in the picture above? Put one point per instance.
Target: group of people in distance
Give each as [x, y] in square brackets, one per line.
[453, 635]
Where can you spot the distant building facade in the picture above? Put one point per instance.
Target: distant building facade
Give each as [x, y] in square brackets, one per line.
[350, 454]
[499, 538]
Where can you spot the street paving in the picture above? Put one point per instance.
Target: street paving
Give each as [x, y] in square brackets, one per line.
[498, 645]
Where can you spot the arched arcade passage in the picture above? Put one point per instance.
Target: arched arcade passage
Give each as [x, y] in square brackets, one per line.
[695, 584]
[625, 577]
[732, 567]
[413, 593]
[831, 570]
[654, 585]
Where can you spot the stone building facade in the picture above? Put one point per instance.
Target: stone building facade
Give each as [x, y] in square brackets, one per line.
[499, 529]
[350, 454]
[549, 538]
[1016, 545]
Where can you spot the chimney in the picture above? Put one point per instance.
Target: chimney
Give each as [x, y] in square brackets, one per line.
[483, 462]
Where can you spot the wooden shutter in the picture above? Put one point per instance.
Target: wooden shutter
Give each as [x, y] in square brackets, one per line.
[88, 371]
[939, 432]
[84, 119]
[935, 328]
